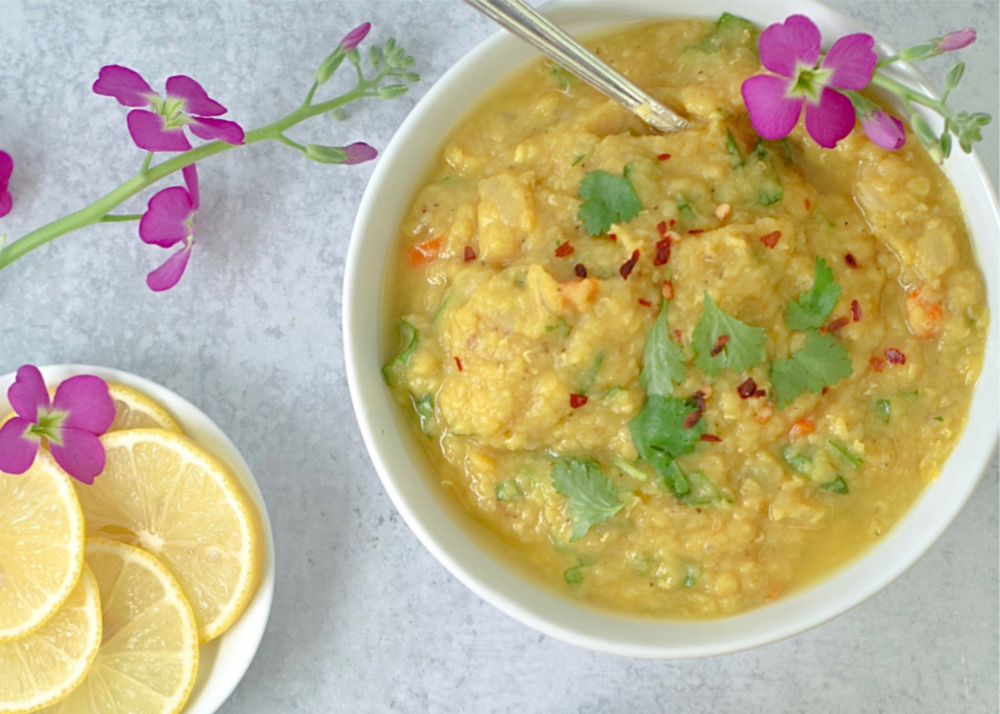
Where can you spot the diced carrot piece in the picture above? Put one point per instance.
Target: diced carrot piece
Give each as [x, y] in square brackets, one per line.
[801, 427]
[425, 251]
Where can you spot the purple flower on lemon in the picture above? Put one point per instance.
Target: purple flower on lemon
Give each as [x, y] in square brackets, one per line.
[187, 104]
[70, 423]
[169, 220]
[791, 50]
[6, 169]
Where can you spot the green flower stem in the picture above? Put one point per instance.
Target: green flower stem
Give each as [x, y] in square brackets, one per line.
[309, 95]
[98, 212]
[145, 163]
[908, 95]
[288, 142]
[121, 218]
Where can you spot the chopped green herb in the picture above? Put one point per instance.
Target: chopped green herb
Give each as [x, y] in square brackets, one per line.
[729, 31]
[798, 462]
[614, 390]
[440, 310]
[663, 361]
[587, 378]
[838, 485]
[939, 418]
[909, 394]
[577, 160]
[821, 363]
[574, 575]
[393, 371]
[660, 437]
[561, 325]
[631, 469]
[425, 409]
[592, 497]
[690, 577]
[702, 490]
[735, 344]
[839, 447]
[814, 305]
[882, 407]
[684, 207]
[509, 490]
[607, 199]
[561, 76]
[735, 156]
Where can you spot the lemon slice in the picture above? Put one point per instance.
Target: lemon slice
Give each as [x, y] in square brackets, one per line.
[148, 660]
[134, 410]
[41, 545]
[164, 493]
[45, 666]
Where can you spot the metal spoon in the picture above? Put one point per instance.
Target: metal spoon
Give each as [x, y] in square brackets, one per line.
[526, 23]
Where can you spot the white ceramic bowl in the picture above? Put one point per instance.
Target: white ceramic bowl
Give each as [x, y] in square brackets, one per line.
[224, 660]
[451, 536]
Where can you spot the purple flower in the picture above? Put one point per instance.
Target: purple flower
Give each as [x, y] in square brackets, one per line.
[792, 50]
[6, 169]
[169, 220]
[353, 38]
[359, 152]
[956, 40]
[70, 423]
[162, 129]
[883, 129]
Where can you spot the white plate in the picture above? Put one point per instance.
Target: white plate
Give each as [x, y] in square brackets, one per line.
[224, 660]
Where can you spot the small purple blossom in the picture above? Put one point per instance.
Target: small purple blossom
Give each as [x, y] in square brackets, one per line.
[792, 50]
[884, 129]
[70, 423]
[353, 38]
[359, 152]
[186, 104]
[169, 220]
[956, 40]
[6, 169]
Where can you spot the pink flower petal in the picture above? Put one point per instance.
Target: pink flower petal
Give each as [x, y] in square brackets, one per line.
[211, 129]
[6, 203]
[81, 454]
[167, 275]
[17, 449]
[884, 129]
[359, 152]
[196, 99]
[784, 46]
[772, 114]
[28, 395]
[6, 169]
[165, 221]
[353, 38]
[957, 40]
[852, 61]
[831, 120]
[190, 174]
[87, 404]
[148, 132]
[125, 85]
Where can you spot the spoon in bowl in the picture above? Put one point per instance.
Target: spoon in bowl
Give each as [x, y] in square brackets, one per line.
[522, 20]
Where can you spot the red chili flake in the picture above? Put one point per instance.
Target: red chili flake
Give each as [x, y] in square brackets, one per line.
[837, 325]
[877, 364]
[663, 157]
[696, 231]
[647, 303]
[673, 222]
[677, 333]
[662, 252]
[668, 290]
[564, 249]
[806, 203]
[855, 310]
[661, 228]
[771, 239]
[851, 261]
[580, 270]
[760, 393]
[629, 264]
[710, 437]
[824, 390]
[470, 254]
[692, 419]
[613, 236]
[895, 356]
[719, 344]
[577, 400]
[458, 363]
[699, 400]
[748, 388]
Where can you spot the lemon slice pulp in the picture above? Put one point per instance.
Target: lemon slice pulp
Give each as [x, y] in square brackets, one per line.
[134, 410]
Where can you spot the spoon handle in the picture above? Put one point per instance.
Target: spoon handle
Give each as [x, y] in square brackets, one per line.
[522, 20]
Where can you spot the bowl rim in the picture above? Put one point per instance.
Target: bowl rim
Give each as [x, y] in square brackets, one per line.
[229, 655]
[529, 603]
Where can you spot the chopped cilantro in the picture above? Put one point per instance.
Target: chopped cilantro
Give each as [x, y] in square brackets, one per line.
[592, 497]
[814, 305]
[588, 378]
[840, 448]
[798, 462]
[684, 207]
[742, 346]
[702, 490]
[509, 490]
[574, 575]
[663, 360]
[838, 485]
[660, 437]
[607, 199]
[939, 418]
[690, 578]
[631, 469]
[883, 409]
[577, 160]
[393, 371]
[821, 363]
[733, 149]
[425, 410]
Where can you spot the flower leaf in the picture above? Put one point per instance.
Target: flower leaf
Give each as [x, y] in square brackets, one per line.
[735, 344]
[592, 497]
[814, 305]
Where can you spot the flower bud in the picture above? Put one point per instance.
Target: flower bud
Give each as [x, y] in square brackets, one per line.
[325, 154]
[884, 129]
[329, 66]
[353, 38]
[392, 90]
[956, 40]
[954, 76]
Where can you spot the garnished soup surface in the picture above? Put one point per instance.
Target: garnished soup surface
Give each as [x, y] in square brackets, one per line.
[680, 374]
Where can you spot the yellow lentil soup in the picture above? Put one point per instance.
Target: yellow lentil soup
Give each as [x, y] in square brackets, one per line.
[680, 374]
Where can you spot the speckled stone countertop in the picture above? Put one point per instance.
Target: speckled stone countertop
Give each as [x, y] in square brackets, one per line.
[364, 618]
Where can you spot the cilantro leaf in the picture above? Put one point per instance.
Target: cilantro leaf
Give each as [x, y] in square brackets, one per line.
[742, 346]
[592, 497]
[663, 360]
[660, 437]
[821, 363]
[395, 370]
[814, 305]
[607, 199]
